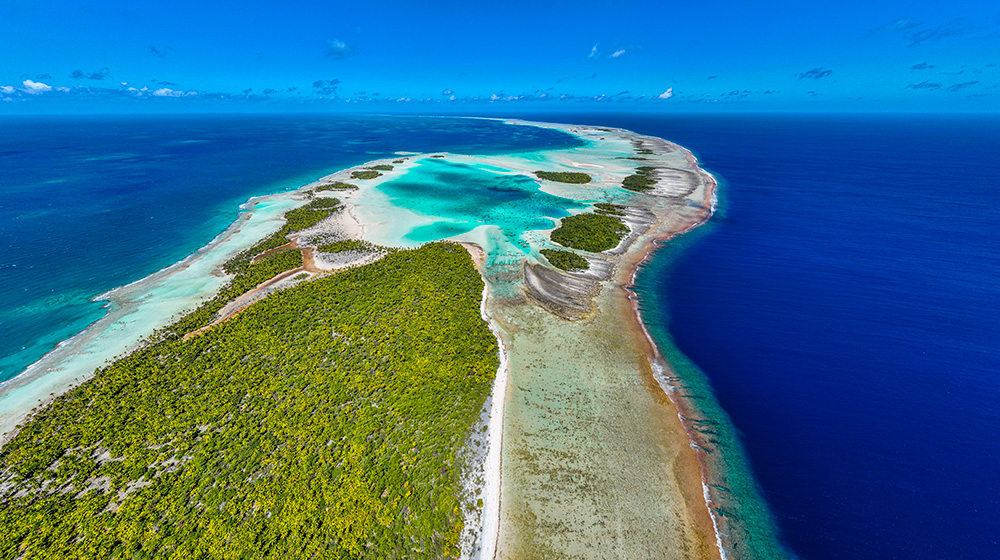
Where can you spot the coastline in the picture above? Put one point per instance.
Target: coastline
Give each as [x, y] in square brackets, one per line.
[681, 475]
[135, 311]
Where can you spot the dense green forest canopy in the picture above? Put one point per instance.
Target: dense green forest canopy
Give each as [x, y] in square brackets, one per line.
[365, 174]
[563, 176]
[343, 245]
[590, 232]
[336, 186]
[566, 260]
[325, 421]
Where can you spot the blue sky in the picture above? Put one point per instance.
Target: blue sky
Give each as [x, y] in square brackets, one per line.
[389, 56]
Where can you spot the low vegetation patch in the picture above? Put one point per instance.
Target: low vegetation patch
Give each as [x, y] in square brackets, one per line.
[563, 176]
[566, 260]
[590, 232]
[324, 423]
[338, 186]
[641, 181]
[365, 174]
[347, 245]
[638, 183]
[295, 220]
[609, 209]
[381, 167]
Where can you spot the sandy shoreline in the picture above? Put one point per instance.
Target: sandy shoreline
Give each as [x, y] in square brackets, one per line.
[641, 498]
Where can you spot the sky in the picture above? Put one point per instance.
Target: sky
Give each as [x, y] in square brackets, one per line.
[477, 57]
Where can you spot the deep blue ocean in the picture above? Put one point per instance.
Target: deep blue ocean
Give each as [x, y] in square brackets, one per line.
[845, 307]
[844, 303]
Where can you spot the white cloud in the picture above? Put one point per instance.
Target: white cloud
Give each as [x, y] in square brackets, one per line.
[447, 92]
[123, 83]
[593, 52]
[6, 89]
[452, 98]
[167, 92]
[62, 89]
[35, 87]
[667, 94]
[618, 53]
[494, 97]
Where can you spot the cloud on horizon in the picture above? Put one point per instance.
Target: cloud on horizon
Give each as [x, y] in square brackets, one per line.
[962, 85]
[326, 87]
[98, 75]
[815, 73]
[667, 94]
[31, 86]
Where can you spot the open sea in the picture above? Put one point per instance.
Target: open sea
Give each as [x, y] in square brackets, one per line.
[842, 305]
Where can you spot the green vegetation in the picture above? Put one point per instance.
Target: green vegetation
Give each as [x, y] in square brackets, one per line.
[310, 214]
[641, 148]
[245, 280]
[247, 276]
[641, 181]
[365, 174]
[295, 220]
[609, 209]
[382, 167]
[338, 186]
[566, 260]
[347, 245]
[324, 423]
[398, 161]
[638, 183]
[590, 232]
[563, 176]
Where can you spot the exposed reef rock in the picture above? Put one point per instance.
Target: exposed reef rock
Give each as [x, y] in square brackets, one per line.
[674, 183]
[569, 297]
[639, 221]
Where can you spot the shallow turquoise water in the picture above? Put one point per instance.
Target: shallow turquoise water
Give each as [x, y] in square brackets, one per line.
[465, 197]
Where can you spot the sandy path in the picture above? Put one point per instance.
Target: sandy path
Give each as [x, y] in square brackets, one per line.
[234, 307]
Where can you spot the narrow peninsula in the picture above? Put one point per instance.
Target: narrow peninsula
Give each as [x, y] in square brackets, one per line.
[427, 356]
